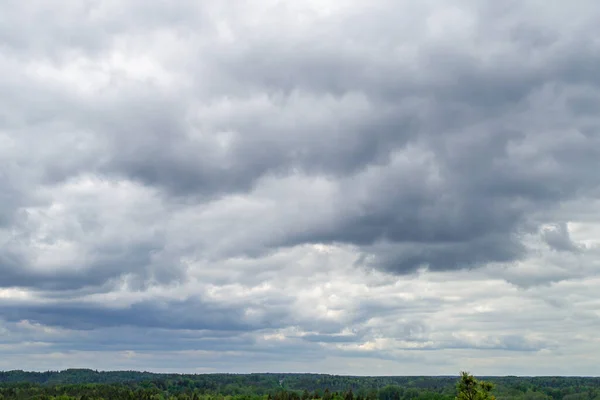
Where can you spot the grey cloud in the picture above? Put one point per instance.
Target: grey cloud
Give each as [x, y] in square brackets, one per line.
[505, 343]
[558, 238]
[319, 338]
[142, 145]
[477, 120]
[87, 27]
[491, 183]
[10, 203]
[188, 314]
[217, 346]
[141, 263]
[443, 256]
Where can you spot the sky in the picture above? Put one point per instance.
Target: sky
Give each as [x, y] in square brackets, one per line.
[382, 187]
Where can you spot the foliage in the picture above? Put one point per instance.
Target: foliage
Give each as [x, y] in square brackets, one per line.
[469, 388]
[81, 384]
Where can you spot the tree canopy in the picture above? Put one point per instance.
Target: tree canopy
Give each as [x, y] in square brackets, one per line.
[81, 384]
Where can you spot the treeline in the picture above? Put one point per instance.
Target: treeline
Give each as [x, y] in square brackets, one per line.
[82, 384]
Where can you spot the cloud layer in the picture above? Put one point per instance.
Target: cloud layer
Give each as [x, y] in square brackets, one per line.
[410, 186]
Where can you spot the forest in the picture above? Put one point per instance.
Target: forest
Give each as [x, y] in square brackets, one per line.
[84, 384]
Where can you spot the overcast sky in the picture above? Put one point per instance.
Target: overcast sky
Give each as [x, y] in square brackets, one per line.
[379, 187]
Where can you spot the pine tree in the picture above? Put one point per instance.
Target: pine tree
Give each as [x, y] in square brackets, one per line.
[469, 388]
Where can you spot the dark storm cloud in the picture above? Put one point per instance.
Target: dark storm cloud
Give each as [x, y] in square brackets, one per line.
[474, 118]
[498, 155]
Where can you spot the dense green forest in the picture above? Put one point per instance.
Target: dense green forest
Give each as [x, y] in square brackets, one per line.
[85, 384]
